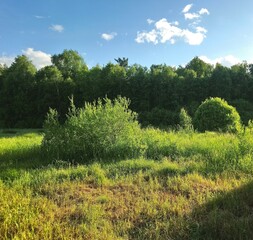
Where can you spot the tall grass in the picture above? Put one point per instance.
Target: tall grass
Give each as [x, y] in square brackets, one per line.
[184, 186]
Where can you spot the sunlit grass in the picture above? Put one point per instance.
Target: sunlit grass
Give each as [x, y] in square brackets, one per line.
[201, 189]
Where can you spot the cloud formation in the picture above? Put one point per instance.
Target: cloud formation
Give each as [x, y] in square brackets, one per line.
[193, 15]
[203, 11]
[150, 21]
[39, 59]
[187, 8]
[165, 31]
[227, 61]
[56, 28]
[108, 36]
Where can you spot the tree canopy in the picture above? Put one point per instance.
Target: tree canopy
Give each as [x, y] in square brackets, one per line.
[157, 93]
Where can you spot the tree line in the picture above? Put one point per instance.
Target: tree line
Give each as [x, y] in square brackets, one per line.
[157, 93]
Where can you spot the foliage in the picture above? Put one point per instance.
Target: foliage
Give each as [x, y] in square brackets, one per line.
[158, 117]
[123, 62]
[244, 108]
[185, 120]
[201, 68]
[17, 95]
[214, 114]
[70, 63]
[99, 130]
[26, 94]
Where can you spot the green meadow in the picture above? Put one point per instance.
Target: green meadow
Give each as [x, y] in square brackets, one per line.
[185, 185]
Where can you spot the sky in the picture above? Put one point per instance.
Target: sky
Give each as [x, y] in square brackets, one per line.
[146, 32]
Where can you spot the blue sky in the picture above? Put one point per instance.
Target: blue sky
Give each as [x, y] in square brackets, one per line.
[145, 31]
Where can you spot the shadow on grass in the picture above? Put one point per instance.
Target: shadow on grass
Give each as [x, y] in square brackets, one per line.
[12, 162]
[228, 216]
[11, 133]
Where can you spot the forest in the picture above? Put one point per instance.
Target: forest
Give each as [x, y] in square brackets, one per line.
[157, 93]
[124, 151]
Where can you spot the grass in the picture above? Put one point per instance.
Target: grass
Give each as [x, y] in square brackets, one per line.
[186, 186]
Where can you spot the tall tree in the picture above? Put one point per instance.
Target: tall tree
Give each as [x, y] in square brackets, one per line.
[113, 80]
[240, 77]
[220, 83]
[18, 95]
[70, 63]
[201, 68]
[123, 62]
[49, 80]
[3, 69]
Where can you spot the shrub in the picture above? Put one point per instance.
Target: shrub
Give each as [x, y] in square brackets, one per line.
[185, 120]
[97, 131]
[214, 114]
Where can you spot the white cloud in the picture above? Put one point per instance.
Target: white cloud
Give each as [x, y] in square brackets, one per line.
[57, 28]
[228, 60]
[204, 11]
[187, 8]
[40, 59]
[165, 31]
[172, 41]
[6, 60]
[191, 16]
[195, 15]
[201, 30]
[150, 21]
[150, 37]
[193, 38]
[108, 36]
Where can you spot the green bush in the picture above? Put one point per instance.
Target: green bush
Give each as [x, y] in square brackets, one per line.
[214, 114]
[185, 120]
[100, 130]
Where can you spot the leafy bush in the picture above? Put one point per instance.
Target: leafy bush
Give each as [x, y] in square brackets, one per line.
[214, 114]
[185, 120]
[97, 131]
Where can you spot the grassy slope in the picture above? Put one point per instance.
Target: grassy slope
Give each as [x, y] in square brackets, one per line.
[203, 189]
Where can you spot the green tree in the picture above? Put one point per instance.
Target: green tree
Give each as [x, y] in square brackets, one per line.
[220, 83]
[88, 88]
[123, 62]
[18, 93]
[70, 63]
[240, 77]
[3, 69]
[138, 88]
[201, 68]
[244, 108]
[215, 114]
[50, 84]
[113, 80]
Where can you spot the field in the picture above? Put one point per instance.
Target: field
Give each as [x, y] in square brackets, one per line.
[186, 186]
